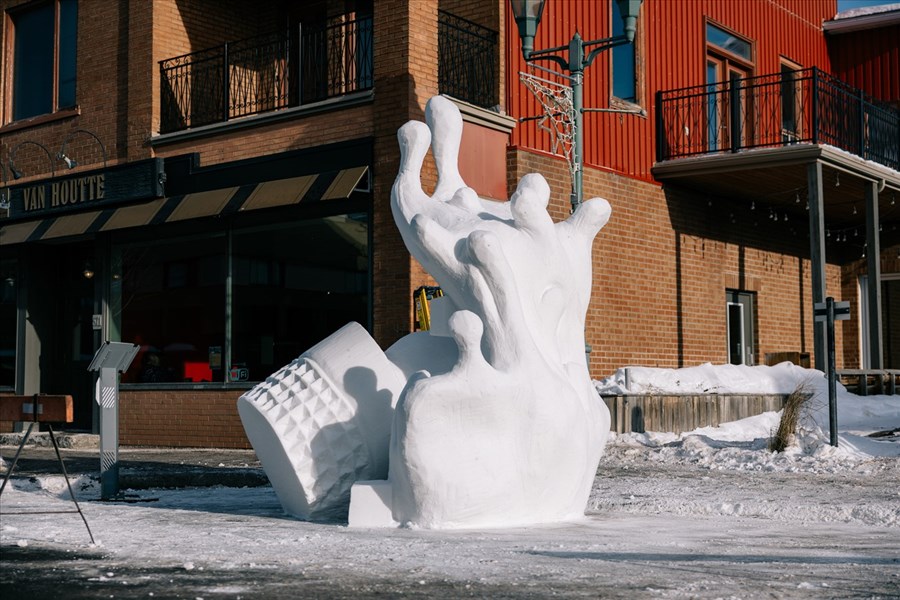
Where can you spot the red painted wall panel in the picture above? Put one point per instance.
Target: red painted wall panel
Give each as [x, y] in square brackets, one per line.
[672, 49]
[869, 60]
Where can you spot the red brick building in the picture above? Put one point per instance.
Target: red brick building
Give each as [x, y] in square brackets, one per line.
[227, 204]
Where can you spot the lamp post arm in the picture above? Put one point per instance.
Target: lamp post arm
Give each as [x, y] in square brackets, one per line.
[602, 46]
[548, 55]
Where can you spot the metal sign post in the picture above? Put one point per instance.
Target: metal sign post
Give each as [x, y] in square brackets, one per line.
[111, 359]
[830, 311]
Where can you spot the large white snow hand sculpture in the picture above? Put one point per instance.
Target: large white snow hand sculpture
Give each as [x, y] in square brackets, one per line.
[514, 432]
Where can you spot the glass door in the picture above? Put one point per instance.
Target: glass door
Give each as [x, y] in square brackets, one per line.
[739, 311]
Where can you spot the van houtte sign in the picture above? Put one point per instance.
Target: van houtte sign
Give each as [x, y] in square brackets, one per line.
[90, 190]
[62, 193]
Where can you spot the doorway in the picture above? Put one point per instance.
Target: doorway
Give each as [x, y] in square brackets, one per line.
[62, 340]
[740, 316]
[890, 321]
[729, 63]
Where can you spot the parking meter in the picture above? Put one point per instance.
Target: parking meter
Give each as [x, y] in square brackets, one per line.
[111, 359]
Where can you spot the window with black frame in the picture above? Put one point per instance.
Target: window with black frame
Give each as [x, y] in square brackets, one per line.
[294, 285]
[291, 285]
[168, 296]
[44, 45]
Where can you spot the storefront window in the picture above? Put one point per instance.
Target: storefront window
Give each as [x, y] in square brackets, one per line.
[169, 298]
[294, 285]
[8, 287]
[290, 286]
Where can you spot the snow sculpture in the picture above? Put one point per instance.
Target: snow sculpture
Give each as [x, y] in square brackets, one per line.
[495, 420]
[323, 422]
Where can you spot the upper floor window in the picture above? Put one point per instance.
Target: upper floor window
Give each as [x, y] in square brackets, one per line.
[725, 40]
[43, 61]
[624, 73]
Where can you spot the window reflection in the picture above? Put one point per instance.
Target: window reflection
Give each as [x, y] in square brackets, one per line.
[728, 41]
[173, 307]
[293, 286]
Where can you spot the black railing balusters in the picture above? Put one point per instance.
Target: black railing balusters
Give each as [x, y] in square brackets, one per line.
[226, 87]
[773, 110]
[467, 58]
[815, 106]
[660, 128]
[267, 72]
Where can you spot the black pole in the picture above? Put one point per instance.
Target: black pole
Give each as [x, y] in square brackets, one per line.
[832, 385]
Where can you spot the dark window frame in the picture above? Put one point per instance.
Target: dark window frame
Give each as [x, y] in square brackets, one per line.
[57, 104]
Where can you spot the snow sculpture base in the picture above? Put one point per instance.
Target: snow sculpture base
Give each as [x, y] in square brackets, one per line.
[323, 422]
[488, 420]
[371, 505]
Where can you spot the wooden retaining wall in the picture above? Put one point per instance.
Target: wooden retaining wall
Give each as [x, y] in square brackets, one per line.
[680, 413]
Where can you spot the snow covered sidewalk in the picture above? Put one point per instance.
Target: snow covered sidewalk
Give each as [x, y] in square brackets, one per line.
[707, 514]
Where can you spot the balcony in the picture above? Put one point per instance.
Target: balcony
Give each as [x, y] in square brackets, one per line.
[265, 73]
[771, 111]
[467, 61]
[309, 64]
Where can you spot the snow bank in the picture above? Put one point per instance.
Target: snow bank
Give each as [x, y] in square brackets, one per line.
[743, 444]
[708, 379]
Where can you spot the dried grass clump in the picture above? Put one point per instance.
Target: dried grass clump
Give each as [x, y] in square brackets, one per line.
[794, 408]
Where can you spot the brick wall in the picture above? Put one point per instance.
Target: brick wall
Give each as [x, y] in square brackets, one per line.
[107, 49]
[309, 132]
[664, 261]
[406, 63]
[195, 418]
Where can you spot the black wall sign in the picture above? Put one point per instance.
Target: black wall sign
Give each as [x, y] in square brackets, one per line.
[89, 190]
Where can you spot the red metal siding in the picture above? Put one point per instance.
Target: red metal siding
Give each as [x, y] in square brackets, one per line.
[869, 60]
[672, 44]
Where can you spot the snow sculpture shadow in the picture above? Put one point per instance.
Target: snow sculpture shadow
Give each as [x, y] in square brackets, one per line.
[496, 421]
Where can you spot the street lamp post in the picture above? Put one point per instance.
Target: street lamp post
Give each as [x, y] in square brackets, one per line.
[580, 55]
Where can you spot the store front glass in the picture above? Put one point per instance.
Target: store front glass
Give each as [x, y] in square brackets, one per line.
[8, 317]
[293, 286]
[168, 297]
[237, 304]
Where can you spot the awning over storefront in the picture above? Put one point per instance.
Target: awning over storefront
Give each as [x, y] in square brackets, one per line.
[331, 185]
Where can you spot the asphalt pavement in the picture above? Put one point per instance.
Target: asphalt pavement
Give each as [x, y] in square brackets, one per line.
[139, 467]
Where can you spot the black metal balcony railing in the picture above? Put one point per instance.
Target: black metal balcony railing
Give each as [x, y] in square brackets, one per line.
[467, 60]
[806, 106]
[267, 72]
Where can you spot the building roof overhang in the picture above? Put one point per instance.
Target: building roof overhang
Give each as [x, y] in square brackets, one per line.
[863, 19]
[778, 179]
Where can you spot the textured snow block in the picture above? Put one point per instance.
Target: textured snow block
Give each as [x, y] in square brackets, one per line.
[370, 504]
[323, 422]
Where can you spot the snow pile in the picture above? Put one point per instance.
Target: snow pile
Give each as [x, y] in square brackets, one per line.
[708, 379]
[865, 11]
[743, 444]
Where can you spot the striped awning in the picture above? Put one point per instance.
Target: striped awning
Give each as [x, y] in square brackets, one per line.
[267, 194]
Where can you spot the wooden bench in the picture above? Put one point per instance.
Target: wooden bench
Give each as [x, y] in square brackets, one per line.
[863, 381]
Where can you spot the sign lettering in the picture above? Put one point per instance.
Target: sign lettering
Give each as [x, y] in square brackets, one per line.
[65, 193]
